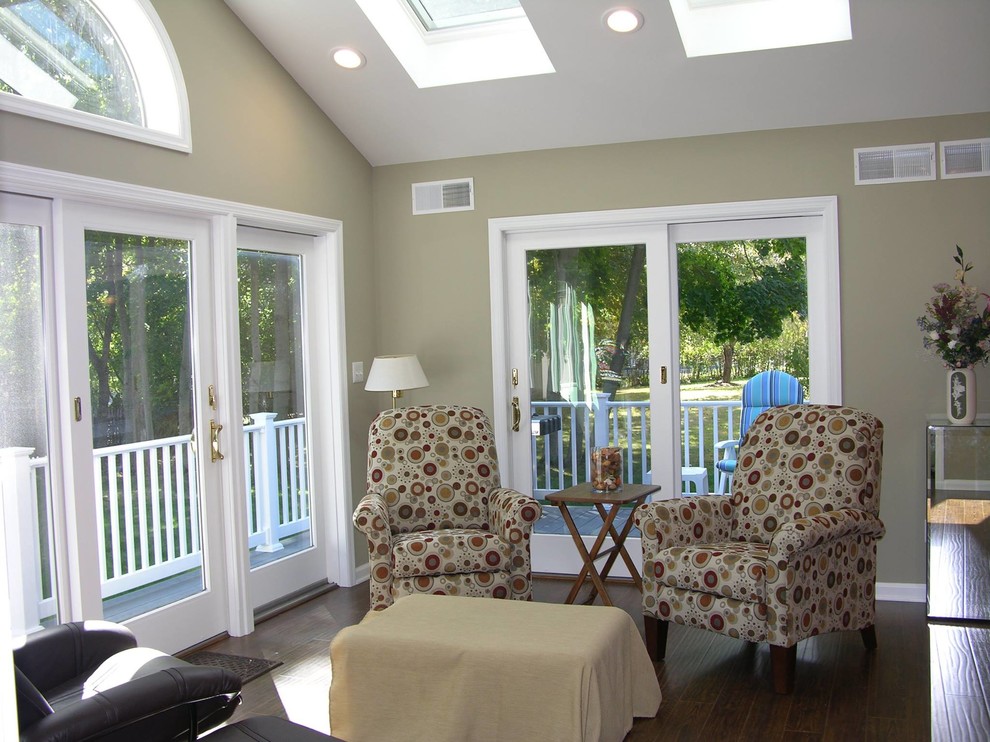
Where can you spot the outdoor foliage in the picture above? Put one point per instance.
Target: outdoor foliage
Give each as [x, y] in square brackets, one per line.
[611, 280]
[743, 307]
[271, 333]
[737, 293]
[139, 337]
[70, 42]
[140, 344]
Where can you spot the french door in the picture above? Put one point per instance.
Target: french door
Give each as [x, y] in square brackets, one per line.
[173, 390]
[279, 299]
[139, 363]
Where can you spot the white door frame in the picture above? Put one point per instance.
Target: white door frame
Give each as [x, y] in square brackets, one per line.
[825, 264]
[334, 464]
[823, 289]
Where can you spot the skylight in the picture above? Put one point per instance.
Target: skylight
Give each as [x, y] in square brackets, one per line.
[439, 14]
[727, 26]
[492, 49]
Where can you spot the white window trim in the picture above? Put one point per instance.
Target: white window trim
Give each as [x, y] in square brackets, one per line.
[153, 56]
[225, 216]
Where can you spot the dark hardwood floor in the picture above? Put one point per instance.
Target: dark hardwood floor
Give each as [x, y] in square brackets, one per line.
[714, 688]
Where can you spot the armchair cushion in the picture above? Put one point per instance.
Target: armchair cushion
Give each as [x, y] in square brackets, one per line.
[449, 551]
[732, 569]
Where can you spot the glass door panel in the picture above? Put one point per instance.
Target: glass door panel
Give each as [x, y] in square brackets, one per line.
[138, 292]
[282, 299]
[25, 453]
[589, 355]
[273, 386]
[579, 319]
[743, 309]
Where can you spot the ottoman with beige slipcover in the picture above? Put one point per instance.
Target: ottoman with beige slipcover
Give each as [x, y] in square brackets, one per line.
[454, 668]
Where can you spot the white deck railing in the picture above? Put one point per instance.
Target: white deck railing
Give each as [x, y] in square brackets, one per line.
[561, 459]
[148, 510]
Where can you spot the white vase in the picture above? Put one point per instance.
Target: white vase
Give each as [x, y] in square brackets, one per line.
[961, 395]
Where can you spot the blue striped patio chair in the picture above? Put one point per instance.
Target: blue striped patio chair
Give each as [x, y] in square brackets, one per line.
[766, 389]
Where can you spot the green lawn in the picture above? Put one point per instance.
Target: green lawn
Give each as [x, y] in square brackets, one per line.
[690, 392]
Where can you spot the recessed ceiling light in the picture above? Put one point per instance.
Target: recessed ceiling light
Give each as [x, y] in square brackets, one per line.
[624, 20]
[348, 58]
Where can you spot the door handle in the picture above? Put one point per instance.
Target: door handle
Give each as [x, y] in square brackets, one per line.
[516, 415]
[663, 374]
[215, 454]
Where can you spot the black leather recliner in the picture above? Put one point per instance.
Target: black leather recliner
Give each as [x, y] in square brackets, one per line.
[90, 681]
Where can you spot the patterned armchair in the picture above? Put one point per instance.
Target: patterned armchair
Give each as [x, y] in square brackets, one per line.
[791, 554]
[436, 518]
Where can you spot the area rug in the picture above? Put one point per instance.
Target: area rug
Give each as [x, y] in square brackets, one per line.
[246, 668]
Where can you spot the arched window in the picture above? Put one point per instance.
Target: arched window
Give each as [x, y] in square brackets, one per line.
[105, 65]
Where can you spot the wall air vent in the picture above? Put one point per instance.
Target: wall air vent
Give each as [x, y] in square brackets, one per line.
[443, 195]
[895, 164]
[967, 158]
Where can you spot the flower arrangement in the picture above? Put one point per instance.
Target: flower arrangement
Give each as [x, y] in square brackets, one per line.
[955, 327]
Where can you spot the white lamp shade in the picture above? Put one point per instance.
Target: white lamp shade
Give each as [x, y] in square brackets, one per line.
[393, 373]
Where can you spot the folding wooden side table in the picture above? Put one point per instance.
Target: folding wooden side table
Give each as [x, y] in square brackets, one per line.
[582, 494]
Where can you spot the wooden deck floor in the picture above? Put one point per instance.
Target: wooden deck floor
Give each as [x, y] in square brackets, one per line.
[173, 589]
[714, 688]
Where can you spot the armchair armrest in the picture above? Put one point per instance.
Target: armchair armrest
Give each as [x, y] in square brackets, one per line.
[512, 514]
[722, 445]
[806, 533]
[668, 523]
[167, 692]
[60, 653]
[372, 519]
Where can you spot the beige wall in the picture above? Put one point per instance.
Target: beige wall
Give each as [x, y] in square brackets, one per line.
[257, 139]
[895, 242]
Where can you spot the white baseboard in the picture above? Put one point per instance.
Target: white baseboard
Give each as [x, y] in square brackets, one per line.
[362, 573]
[902, 592]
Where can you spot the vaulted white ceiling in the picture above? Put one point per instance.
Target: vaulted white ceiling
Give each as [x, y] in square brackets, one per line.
[907, 59]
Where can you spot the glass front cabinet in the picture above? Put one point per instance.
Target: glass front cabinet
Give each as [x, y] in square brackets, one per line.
[959, 522]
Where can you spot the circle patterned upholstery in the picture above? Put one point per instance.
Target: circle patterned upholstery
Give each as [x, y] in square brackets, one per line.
[793, 552]
[436, 518]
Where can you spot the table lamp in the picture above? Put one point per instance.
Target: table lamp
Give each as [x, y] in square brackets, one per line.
[395, 373]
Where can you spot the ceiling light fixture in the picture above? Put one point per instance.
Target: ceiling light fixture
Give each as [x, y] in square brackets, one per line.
[623, 20]
[348, 58]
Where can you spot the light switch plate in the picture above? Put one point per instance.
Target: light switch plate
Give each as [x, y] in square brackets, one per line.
[357, 372]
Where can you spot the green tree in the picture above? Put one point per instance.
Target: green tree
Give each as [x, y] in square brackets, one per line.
[740, 292]
[612, 280]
